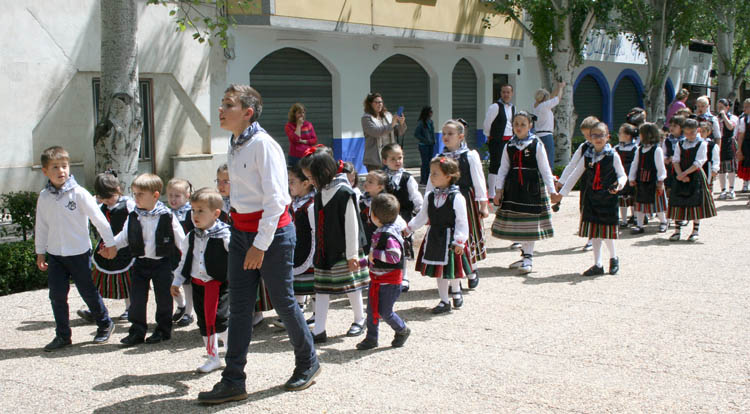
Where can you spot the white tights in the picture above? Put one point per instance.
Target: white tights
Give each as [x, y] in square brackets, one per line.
[723, 181]
[597, 244]
[322, 301]
[639, 217]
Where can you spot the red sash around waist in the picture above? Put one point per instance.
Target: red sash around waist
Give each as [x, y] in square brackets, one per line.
[248, 222]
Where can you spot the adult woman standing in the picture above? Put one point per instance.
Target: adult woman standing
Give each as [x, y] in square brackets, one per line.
[378, 125]
[425, 134]
[545, 120]
[300, 132]
[677, 104]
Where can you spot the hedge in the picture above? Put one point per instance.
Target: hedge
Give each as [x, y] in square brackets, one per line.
[18, 271]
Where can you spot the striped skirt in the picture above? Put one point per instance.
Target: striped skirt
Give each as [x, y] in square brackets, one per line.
[707, 209]
[729, 166]
[514, 226]
[591, 230]
[263, 301]
[658, 206]
[338, 279]
[477, 250]
[112, 285]
[304, 283]
[459, 265]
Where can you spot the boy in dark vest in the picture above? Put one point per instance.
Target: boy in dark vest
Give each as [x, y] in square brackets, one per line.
[204, 265]
[386, 270]
[149, 232]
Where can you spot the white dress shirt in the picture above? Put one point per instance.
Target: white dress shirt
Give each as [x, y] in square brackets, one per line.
[460, 231]
[477, 177]
[700, 157]
[62, 224]
[622, 178]
[198, 269]
[571, 165]
[661, 170]
[148, 229]
[491, 114]
[259, 182]
[541, 160]
[545, 119]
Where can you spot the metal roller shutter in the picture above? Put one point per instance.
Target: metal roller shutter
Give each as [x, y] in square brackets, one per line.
[465, 98]
[587, 101]
[403, 82]
[287, 76]
[625, 98]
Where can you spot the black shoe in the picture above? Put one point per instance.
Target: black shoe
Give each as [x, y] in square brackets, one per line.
[645, 220]
[631, 220]
[103, 334]
[404, 286]
[637, 230]
[473, 283]
[442, 307]
[355, 330]
[131, 340]
[56, 344]
[157, 337]
[614, 265]
[124, 316]
[302, 379]
[320, 338]
[221, 393]
[185, 321]
[179, 314]
[400, 338]
[594, 271]
[368, 343]
[458, 301]
[311, 321]
[86, 315]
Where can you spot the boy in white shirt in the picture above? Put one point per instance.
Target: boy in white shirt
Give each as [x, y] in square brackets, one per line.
[151, 232]
[63, 211]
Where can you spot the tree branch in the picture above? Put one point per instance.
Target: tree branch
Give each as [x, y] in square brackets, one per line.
[588, 24]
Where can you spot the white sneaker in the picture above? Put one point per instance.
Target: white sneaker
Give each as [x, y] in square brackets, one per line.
[212, 364]
[723, 195]
[732, 195]
[516, 264]
[526, 268]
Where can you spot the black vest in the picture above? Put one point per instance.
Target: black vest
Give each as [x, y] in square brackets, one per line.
[710, 144]
[746, 141]
[367, 224]
[381, 246]
[406, 209]
[728, 146]
[599, 206]
[117, 215]
[645, 190]
[498, 124]
[442, 227]
[187, 224]
[303, 228]
[688, 194]
[626, 157]
[522, 191]
[464, 181]
[215, 258]
[164, 236]
[330, 234]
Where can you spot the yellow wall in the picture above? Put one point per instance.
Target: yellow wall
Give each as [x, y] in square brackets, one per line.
[450, 16]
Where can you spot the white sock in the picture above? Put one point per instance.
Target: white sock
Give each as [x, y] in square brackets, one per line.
[223, 337]
[732, 177]
[597, 243]
[527, 248]
[745, 185]
[301, 299]
[257, 317]
[405, 273]
[639, 218]
[662, 217]
[127, 303]
[321, 312]
[610, 243]
[623, 213]
[491, 181]
[188, 299]
[443, 285]
[456, 287]
[355, 299]
[180, 299]
[723, 182]
[214, 339]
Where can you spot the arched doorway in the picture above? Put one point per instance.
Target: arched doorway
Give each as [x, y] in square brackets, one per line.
[287, 76]
[403, 82]
[465, 98]
[627, 94]
[590, 97]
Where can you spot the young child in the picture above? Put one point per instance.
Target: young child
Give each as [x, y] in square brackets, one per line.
[670, 142]
[524, 212]
[690, 198]
[647, 174]
[63, 210]
[713, 161]
[178, 198]
[703, 114]
[386, 261]
[340, 263]
[586, 125]
[112, 276]
[444, 254]
[406, 189]
[473, 188]
[353, 177]
[149, 232]
[204, 265]
[375, 183]
[605, 176]
[743, 145]
[223, 186]
[626, 150]
[728, 150]
[303, 216]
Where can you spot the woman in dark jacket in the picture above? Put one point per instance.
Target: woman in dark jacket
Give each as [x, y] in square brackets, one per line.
[425, 134]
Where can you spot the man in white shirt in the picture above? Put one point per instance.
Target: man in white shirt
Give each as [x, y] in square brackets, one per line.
[262, 246]
[499, 130]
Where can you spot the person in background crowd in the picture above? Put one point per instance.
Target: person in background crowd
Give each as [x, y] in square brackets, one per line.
[425, 134]
[499, 130]
[545, 122]
[379, 127]
[300, 132]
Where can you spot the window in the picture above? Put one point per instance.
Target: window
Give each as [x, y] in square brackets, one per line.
[147, 115]
[498, 80]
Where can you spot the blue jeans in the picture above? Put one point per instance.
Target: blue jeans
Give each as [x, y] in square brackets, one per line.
[276, 272]
[78, 268]
[159, 273]
[425, 151]
[388, 296]
[549, 145]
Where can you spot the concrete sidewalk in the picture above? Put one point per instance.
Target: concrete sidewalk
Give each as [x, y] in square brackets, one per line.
[670, 333]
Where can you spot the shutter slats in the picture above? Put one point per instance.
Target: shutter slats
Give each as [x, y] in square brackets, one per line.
[465, 99]
[587, 100]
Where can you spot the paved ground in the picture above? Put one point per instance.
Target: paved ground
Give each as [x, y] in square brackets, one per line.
[670, 333]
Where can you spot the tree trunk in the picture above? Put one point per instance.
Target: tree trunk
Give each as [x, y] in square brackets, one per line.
[117, 136]
[659, 61]
[564, 57]
[724, 51]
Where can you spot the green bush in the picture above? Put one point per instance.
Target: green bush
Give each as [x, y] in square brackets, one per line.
[21, 206]
[18, 271]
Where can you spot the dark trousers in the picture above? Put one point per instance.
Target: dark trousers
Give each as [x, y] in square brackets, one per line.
[388, 296]
[222, 312]
[159, 272]
[549, 146]
[276, 272]
[78, 268]
[425, 152]
[495, 146]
